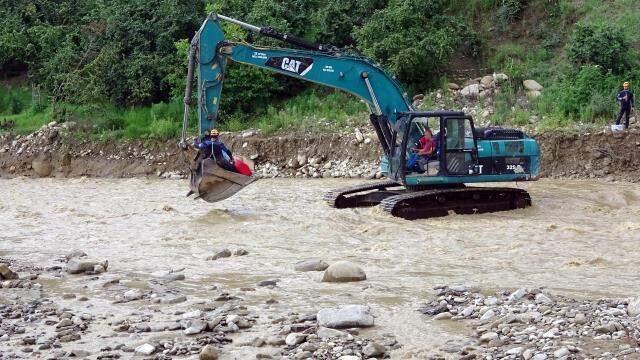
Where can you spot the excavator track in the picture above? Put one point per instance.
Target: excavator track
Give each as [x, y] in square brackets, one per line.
[468, 200]
[349, 197]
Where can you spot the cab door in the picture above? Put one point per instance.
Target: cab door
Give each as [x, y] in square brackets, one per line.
[398, 151]
[460, 147]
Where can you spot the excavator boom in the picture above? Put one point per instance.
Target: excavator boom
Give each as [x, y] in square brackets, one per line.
[353, 74]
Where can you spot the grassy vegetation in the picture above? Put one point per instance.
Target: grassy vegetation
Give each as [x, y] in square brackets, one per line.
[105, 121]
[314, 110]
[317, 110]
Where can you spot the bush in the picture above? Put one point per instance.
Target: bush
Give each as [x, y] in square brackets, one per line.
[601, 44]
[165, 128]
[15, 105]
[508, 12]
[110, 122]
[600, 106]
[587, 94]
[413, 38]
[504, 102]
[247, 89]
[518, 62]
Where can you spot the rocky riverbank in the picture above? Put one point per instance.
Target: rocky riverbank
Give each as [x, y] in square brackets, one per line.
[127, 317]
[152, 318]
[534, 324]
[59, 150]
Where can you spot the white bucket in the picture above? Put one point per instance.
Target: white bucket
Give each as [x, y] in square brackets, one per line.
[615, 128]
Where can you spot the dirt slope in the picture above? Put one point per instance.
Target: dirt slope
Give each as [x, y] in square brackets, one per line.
[58, 150]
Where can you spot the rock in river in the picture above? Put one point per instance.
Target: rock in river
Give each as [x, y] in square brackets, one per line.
[311, 265]
[80, 265]
[295, 339]
[195, 327]
[634, 307]
[220, 254]
[146, 349]
[345, 316]
[209, 353]
[326, 333]
[374, 349]
[343, 271]
[240, 252]
[133, 294]
[75, 254]
[6, 273]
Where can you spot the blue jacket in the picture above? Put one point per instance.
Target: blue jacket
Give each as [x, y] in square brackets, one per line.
[626, 104]
[215, 147]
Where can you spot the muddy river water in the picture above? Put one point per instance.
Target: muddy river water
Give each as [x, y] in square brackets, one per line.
[580, 238]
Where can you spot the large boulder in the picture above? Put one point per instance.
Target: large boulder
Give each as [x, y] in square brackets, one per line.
[472, 82]
[81, 265]
[533, 94]
[343, 271]
[302, 159]
[6, 273]
[487, 80]
[532, 85]
[634, 307]
[311, 265]
[209, 352]
[292, 163]
[295, 339]
[374, 349]
[42, 167]
[133, 294]
[500, 78]
[471, 91]
[345, 317]
[145, 349]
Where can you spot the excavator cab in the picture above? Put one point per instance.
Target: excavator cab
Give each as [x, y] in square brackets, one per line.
[456, 152]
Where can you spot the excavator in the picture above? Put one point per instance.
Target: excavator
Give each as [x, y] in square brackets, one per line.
[465, 154]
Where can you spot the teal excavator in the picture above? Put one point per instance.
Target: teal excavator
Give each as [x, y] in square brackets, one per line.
[465, 154]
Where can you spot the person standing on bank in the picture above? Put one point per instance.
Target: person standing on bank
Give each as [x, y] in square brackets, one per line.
[625, 97]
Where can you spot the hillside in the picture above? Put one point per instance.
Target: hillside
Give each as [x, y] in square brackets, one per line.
[117, 68]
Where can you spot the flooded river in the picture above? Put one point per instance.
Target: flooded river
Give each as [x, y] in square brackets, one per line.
[580, 238]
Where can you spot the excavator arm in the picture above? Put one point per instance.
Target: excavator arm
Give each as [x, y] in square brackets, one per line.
[320, 64]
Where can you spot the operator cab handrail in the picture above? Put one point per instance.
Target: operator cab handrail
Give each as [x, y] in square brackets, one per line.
[443, 113]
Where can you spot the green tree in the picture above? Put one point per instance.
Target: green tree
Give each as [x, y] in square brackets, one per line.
[413, 38]
[600, 44]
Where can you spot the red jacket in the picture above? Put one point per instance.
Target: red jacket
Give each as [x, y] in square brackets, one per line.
[427, 145]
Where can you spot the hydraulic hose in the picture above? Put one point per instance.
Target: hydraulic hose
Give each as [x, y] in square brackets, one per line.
[188, 91]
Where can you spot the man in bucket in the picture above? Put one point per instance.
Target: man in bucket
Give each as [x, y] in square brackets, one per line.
[211, 146]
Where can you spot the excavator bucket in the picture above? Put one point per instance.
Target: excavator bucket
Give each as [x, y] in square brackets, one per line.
[212, 183]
